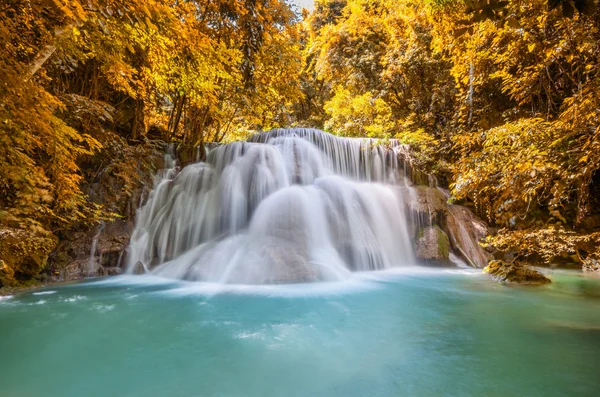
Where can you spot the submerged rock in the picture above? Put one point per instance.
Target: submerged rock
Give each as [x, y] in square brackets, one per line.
[514, 273]
[432, 244]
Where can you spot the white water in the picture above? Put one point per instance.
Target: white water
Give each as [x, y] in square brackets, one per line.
[288, 206]
[91, 266]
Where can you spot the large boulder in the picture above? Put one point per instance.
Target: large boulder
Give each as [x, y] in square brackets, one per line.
[515, 273]
[466, 231]
[425, 206]
[23, 254]
[139, 268]
[432, 245]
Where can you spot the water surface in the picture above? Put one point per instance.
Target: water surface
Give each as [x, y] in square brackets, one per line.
[417, 332]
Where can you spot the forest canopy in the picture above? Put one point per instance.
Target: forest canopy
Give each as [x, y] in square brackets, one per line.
[506, 94]
[500, 100]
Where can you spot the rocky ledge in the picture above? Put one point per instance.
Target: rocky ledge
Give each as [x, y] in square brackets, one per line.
[515, 273]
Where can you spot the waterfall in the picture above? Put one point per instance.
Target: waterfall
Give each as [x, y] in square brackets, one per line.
[92, 265]
[288, 205]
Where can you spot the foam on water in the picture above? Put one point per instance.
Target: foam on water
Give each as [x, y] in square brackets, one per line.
[44, 293]
[358, 282]
[74, 298]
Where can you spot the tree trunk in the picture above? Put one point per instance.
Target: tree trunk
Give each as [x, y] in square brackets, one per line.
[583, 200]
[45, 53]
[470, 99]
[139, 126]
[178, 112]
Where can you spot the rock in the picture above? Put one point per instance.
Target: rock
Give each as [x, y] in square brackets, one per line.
[405, 159]
[186, 154]
[432, 244]
[24, 254]
[513, 273]
[465, 231]
[425, 206]
[139, 268]
[81, 268]
[72, 256]
[110, 271]
[591, 265]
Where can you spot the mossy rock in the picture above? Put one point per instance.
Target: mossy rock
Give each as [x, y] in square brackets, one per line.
[425, 206]
[7, 275]
[186, 154]
[515, 273]
[444, 243]
[432, 244]
[23, 254]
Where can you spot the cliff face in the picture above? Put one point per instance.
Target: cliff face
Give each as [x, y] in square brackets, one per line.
[99, 249]
[439, 228]
[116, 180]
[23, 254]
[466, 230]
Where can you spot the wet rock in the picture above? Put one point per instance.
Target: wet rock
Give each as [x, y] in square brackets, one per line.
[72, 257]
[80, 268]
[273, 261]
[139, 268]
[514, 273]
[405, 159]
[432, 244]
[425, 206]
[466, 231]
[110, 271]
[186, 154]
[282, 264]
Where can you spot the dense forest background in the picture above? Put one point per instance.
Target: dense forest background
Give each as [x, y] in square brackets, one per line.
[500, 100]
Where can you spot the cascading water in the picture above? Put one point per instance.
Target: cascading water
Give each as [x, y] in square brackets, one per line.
[92, 265]
[287, 206]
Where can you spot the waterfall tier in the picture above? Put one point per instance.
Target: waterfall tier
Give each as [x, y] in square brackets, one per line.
[294, 205]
